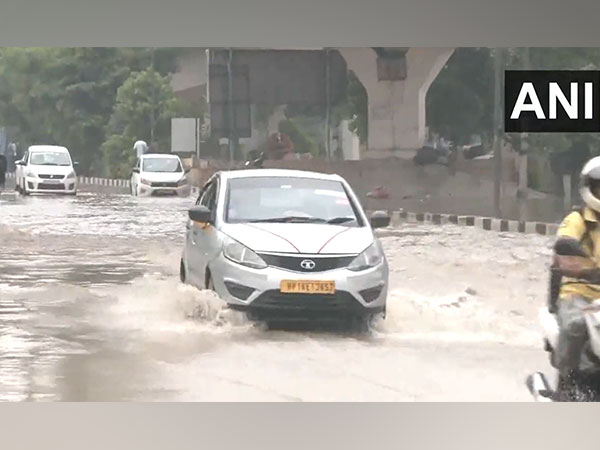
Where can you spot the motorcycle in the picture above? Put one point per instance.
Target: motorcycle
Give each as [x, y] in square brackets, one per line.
[584, 385]
[256, 163]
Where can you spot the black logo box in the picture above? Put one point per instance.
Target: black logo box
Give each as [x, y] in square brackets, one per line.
[541, 79]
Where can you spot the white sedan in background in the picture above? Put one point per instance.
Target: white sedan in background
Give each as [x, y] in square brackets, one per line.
[159, 174]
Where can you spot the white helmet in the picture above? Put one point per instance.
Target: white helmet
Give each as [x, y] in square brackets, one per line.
[589, 183]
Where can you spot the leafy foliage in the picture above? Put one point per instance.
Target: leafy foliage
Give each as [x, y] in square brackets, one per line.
[66, 96]
[144, 105]
[460, 100]
[355, 107]
[302, 142]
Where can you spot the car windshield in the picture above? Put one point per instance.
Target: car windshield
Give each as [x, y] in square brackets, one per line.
[171, 165]
[50, 159]
[280, 199]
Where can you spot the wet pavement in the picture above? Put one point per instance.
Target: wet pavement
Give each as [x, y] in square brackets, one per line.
[91, 309]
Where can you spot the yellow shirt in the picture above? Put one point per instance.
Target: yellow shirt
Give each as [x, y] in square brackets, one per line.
[574, 226]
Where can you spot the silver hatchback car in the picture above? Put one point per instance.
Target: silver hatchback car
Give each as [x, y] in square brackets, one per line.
[286, 244]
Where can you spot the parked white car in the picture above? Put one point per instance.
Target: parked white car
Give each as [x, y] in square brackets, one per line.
[46, 169]
[159, 174]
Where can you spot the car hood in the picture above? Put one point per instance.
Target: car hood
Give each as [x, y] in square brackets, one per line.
[162, 176]
[50, 170]
[300, 238]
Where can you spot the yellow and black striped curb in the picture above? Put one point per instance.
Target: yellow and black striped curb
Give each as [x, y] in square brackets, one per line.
[93, 181]
[484, 223]
[108, 182]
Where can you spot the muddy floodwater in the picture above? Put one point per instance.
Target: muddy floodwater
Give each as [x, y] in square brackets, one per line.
[91, 309]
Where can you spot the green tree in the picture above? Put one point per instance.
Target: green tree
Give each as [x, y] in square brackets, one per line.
[144, 105]
[65, 96]
[302, 142]
[556, 59]
[460, 100]
[355, 107]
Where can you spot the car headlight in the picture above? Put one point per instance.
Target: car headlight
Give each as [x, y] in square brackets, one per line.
[182, 182]
[71, 174]
[29, 173]
[146, 182]
[241, 254]
[371, 257]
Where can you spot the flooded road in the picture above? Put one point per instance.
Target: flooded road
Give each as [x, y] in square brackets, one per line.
[91, 309]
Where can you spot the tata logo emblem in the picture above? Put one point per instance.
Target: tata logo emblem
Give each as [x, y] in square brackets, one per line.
[307, 264]
[552, 101]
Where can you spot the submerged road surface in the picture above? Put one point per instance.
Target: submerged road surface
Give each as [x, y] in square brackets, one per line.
[91, 309]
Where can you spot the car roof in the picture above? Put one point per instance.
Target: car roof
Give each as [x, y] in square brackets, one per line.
[46, 148]
[288, 173]
[159, 155]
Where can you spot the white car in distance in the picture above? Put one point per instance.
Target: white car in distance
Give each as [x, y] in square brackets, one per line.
[159, 174]
[46, 169]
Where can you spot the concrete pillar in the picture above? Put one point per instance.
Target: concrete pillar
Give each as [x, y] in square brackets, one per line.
[397, 108]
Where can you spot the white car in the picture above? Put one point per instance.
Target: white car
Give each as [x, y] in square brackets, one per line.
[46, 169]
[159, 174]
[281, 244]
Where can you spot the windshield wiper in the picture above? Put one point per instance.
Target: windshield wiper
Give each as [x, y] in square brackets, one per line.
[337, 220]
[291, 219]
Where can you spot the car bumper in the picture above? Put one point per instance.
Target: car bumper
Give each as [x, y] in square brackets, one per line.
[42, 186]
[150, 191]
[258, 290]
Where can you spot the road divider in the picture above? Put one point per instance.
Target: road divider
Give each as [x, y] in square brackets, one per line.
[484, 223]
[107, 182]
[92, 181]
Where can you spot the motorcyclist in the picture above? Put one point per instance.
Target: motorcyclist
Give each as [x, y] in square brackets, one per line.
[577, 264]
[255, 159]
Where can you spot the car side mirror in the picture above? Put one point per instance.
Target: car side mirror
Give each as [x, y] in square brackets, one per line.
[200, 214]
[20, 163]
[75, 164]
[135, 170]
[380, 219]
[186, 170]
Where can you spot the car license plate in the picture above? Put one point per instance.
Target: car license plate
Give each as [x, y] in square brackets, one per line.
[307, 287]
[53, 181]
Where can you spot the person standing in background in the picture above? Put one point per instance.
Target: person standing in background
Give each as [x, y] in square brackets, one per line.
[11, 157]
[2, 171]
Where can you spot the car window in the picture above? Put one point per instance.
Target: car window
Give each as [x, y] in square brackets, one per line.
[26, 157]
[208, 198]
[256, 199]
[202, 196]
[137, 164]
[170, 165]
[50, 158]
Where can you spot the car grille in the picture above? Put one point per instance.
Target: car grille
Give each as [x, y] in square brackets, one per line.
[52, 177]
[51, 187]
[322, 263]
[163, 184]
[272, 300]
